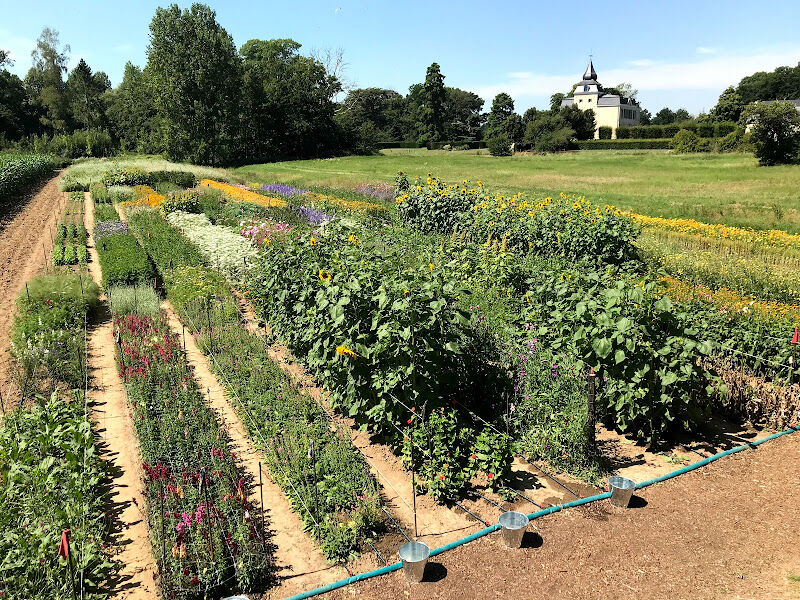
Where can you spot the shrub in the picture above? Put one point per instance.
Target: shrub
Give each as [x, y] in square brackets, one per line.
[775, 131]
[83, 255]
[623, 144]
[123, 261]
[733, 142]
[499, 145]
[105, 212]
[686, 141]
[604, 133]
[99, 193]
[554, 141]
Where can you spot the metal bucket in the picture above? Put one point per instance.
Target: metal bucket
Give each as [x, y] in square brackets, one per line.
[514, 525]
[621, 490]
[414, 556]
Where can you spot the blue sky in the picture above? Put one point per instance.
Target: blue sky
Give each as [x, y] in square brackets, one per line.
[677, 53]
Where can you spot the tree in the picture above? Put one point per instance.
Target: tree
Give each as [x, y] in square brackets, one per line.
[782, 83]
[645, 118]
[383, 109]
[664, 117]
[502, 109]
[288, 103]
[462, 114]
[729, 106]
[682, 115]
[18, 116]
[84, 91]
[580, 121]
[45, 82]
[503, 120]
[555, 100]
[624, 90]
[132, 112]
[432, 107]
[196, 76]
[548, 131]
[774, 131]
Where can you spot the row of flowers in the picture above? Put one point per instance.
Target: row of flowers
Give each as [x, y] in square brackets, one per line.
[204, 530]
[242, 193]
[324, 477]
[144, 195]
[225, 249]
[767, 239]
[566, 226]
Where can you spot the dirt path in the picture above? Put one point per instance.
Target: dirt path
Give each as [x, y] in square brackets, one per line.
[728, 530]
[300, 563]
[109, 408]
[25, 249]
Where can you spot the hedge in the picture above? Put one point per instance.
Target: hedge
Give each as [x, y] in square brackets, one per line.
[623, 144]
[651, 132]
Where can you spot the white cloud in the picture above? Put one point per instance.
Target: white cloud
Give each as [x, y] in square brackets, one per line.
[644, 62]
[706, 50]
[520, 75]
[711, 73]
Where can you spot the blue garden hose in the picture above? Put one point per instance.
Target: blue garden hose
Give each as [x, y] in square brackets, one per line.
[547, 511]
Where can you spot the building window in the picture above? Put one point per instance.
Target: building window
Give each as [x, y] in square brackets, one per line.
[580, 99]
[628, 113]
[586, 88]
[589, 100]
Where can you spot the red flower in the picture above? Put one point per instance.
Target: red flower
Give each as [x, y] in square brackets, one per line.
[491, 475]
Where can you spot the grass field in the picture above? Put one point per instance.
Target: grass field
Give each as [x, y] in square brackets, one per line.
[716, 188]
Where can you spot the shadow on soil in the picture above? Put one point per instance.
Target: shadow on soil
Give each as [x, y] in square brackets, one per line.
[434, 572]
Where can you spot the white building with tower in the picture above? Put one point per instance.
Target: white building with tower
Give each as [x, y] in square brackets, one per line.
[610, 110]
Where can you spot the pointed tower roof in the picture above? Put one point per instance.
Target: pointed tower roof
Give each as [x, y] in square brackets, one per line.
[590, 74]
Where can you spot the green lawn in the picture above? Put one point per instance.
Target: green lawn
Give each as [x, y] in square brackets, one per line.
[723, 188]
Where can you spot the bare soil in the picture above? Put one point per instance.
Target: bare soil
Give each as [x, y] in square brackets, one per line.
[114, 425]
[728, 530]
[26, 231]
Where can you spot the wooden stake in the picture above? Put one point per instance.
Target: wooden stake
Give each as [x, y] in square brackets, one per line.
[413, 482]
[261, 493]
[590, 414]
[71, 576]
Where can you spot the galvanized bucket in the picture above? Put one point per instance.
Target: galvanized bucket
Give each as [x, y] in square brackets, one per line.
[414, 556]
[514, 525]
[621, 490]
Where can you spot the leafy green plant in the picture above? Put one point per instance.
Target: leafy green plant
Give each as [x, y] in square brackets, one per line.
[188, 202]
[123, 261]
[99, 193]
[52, 479]
[48, 331]
[20, 170]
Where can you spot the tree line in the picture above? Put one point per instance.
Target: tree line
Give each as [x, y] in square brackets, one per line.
[199, 98]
